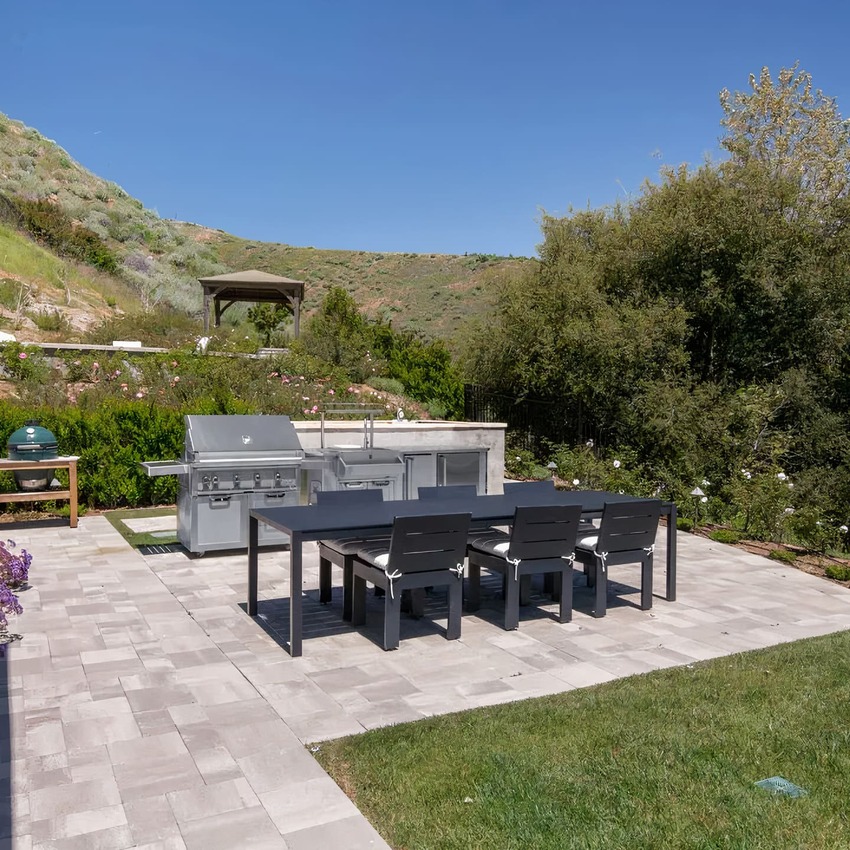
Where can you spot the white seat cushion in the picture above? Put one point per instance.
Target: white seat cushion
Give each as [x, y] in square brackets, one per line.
[493, 545]
[588, 542]
[378, 556]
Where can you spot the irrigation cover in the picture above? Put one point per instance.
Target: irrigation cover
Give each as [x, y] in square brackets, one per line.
[778, 785]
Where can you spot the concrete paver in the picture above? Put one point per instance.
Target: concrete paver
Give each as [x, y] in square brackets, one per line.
[144, 708]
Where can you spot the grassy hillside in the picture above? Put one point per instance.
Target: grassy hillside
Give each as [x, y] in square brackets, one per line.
[431, 293]
[158, 261]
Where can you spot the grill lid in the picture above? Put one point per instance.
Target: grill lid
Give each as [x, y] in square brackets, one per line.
[241, 436]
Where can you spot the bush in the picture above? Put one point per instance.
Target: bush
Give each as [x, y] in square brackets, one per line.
[23, 363]
[838, 572]
[387, 385]
[725, 535]
[684, 523]
[785, 556]
[51, 320]
[49, 224]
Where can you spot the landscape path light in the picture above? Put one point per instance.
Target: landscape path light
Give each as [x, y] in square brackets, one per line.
[699, 496]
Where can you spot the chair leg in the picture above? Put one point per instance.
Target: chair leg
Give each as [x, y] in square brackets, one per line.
[473, 587]
[565, 594]
[347, 582]
[512, 595]
[455, 607]
[524, 590]
[392, 620]
[601, 595]
[551, 586]
[324, 581]
[590, 574]
[646, 583]
[358, 601]
[417, 602]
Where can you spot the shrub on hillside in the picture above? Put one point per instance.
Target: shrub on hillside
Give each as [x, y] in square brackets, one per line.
[49, 224]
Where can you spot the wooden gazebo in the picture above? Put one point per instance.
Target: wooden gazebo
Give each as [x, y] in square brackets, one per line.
[256, 287]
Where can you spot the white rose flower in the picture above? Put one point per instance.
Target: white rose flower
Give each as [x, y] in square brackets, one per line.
[781, 476]
[843, 529]
[616, 464]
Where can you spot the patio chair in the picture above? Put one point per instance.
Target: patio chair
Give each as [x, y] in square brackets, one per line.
[513, 487]
[423, 551]
[451, 491]
[341, 551]
[541, 540]
[626, 535]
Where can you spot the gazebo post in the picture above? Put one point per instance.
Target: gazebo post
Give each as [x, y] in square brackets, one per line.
[206, 311]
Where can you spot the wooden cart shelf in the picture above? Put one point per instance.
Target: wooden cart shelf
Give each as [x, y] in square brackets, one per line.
[69, 463]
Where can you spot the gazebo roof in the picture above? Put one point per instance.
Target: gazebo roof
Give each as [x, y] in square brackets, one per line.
[242, 285]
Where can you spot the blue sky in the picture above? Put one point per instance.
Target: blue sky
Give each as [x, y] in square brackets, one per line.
[389, 125]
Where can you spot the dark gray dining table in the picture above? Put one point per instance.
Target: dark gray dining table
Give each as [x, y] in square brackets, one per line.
[317, 522]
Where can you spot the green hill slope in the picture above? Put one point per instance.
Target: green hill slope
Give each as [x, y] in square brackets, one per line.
[159, 261]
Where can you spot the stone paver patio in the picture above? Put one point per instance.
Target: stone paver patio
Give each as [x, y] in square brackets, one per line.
[145, 709]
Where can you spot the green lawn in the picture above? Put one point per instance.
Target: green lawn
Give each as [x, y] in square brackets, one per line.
[665, 760]
[141, 538]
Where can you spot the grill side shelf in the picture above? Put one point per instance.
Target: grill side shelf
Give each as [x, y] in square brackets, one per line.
[156, 468]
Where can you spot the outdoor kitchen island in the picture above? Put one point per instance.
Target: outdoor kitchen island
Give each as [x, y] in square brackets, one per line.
[316, 522]
[233, 464]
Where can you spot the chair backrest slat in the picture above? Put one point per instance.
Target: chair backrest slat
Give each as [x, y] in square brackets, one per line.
[547, 531]
[431, 542]
[450, 491]
[349, 497]
[517, 488]
[628, 525]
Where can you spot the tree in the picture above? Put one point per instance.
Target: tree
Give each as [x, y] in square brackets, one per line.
[266, 318]
[338, 334]
[794, 131]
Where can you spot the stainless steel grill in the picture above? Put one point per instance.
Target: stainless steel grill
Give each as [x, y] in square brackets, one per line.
[230, 465]
[360, 469]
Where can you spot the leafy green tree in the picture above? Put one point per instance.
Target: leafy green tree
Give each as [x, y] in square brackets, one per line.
[339, 335]
[793, 130]
[267, 318]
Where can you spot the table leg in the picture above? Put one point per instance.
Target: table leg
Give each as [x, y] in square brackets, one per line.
[295, 607]
[671, 554]
[72, 486]
[253, 534]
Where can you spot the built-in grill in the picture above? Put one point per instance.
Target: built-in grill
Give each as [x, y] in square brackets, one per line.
[360, 469]
[230, 465]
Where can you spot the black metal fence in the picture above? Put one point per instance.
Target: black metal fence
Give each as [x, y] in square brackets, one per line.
[531, 422]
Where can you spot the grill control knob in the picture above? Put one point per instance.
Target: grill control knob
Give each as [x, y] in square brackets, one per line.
[256, 476]
[206, 479]
[277, 476]
[214, 480]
